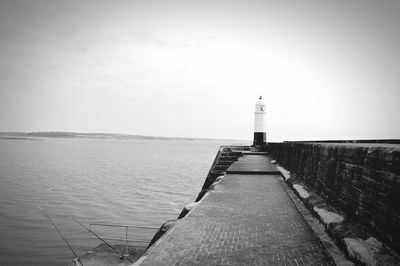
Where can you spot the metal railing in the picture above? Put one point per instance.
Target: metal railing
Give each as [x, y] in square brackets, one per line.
[126, 240]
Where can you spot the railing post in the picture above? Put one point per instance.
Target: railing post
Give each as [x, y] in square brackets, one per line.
[126, 242]
[90, 239]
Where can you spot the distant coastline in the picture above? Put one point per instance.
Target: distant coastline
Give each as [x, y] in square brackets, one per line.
[59, 134]
[17, 138]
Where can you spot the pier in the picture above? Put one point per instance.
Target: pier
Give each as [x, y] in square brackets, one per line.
[248, 218]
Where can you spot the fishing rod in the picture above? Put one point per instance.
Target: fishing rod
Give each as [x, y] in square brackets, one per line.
[90, 231]
[77, 260]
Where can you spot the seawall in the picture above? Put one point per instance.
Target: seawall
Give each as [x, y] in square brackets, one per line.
[361, 180]
[246, 216]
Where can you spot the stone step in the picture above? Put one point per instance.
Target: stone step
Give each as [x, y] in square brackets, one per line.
[221, 167]
[228, 158]
[232, 153]
[224, 162]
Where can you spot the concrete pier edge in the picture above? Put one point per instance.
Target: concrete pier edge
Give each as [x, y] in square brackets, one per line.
[166, 250]
[382, 255]
[311, 163]
[159, 241]
[338, 256]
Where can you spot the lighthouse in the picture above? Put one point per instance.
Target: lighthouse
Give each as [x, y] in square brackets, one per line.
[260, 135]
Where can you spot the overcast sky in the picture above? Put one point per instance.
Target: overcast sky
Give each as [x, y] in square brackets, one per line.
[326, 69]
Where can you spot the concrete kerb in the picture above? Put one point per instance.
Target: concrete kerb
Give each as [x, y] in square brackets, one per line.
[187, 209]
[350, 239]
[211, 187]
[217, 180]
[191, 206]
[317, 228]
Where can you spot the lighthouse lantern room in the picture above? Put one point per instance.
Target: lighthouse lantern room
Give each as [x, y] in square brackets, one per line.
[260, 135]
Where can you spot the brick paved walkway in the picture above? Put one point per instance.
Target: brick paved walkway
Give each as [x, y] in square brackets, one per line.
[247, 220]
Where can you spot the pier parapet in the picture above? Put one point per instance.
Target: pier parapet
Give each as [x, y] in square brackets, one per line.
[359, 178]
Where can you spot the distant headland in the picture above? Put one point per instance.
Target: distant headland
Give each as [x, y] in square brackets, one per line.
[59, 134]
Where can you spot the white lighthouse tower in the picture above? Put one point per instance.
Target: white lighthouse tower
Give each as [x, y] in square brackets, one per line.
[260, 132]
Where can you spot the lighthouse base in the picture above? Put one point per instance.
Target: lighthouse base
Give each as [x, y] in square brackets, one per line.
[260, 139]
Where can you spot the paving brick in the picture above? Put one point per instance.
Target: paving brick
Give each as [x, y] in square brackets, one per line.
[247, 220]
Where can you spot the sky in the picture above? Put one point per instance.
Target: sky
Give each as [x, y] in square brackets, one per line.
[326, 69]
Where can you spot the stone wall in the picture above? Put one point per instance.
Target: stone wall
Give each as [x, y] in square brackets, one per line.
[361, 180]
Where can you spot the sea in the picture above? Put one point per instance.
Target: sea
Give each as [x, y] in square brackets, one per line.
[109, 181]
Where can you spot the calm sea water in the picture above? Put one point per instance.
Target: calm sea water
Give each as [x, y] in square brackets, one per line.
[134, 182]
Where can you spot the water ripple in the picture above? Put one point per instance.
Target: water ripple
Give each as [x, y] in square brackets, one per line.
[122, 182]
